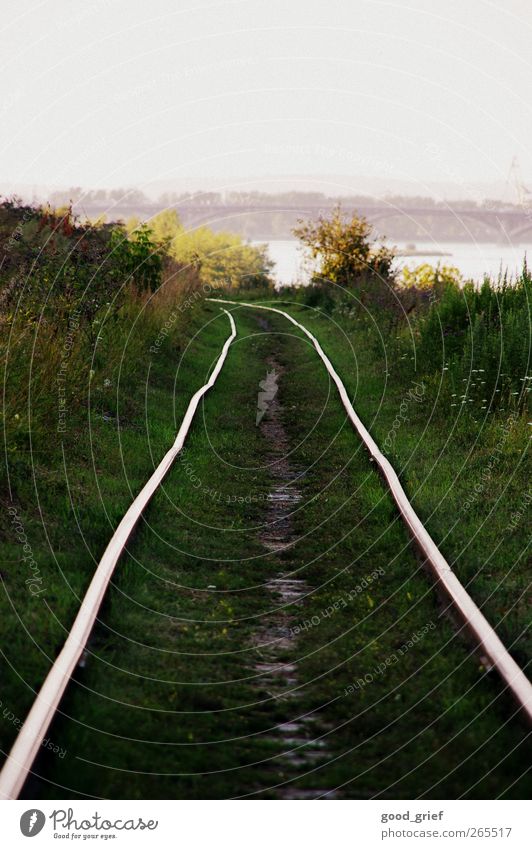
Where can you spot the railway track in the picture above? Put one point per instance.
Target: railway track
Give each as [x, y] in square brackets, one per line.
[488, 642]
[28, 741]
[20, 760]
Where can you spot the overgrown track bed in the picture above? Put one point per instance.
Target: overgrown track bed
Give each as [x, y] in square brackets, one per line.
[171, 704]
[494, 653]
[409, 707]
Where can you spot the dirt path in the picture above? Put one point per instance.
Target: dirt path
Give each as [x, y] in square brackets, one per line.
[275, 645]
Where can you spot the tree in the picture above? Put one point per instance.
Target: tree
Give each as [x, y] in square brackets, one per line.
[222, 259]
[166, 226]
[138, 257]
[344, 250]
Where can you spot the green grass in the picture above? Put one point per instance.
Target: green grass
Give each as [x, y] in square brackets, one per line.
[434, 723]
[467, 474]
[168, 674]
[70, 499]
[168, 704]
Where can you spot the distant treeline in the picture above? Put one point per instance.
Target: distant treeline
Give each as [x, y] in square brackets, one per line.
[124, 196]
[217, 210]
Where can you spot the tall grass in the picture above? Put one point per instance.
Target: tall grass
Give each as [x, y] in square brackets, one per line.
[478, 337]
[481, 336]
[79, 309]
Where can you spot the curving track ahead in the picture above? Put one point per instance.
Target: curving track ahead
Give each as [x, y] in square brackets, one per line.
[27, 744]
[488, 641]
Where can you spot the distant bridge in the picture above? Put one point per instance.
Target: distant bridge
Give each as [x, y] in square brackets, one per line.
[506, 224]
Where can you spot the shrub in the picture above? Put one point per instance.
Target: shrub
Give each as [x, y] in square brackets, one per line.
[343, 250]
[69, 298]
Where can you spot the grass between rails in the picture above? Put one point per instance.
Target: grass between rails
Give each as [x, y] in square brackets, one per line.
[169, 671]
[467, 474]
[425, 721]
[447, 715]
[166, 706]
[430, 723]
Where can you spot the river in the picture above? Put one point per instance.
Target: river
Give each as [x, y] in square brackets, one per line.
[473, 260]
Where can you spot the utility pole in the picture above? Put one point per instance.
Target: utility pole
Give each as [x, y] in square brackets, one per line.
[514, 175]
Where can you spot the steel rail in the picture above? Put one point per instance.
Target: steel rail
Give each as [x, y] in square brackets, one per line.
[33, 731]
[475, 621]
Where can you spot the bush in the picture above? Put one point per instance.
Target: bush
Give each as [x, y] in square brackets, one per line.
[429, 278]
[344, 252]
[70, 297]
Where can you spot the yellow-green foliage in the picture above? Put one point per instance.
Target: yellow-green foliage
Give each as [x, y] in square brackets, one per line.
[223, 259]
[343, 249]
[427, 277]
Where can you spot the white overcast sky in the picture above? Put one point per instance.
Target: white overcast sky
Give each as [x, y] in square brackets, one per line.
[122, 92]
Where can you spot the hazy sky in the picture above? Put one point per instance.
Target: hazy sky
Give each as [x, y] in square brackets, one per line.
[120, 92]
